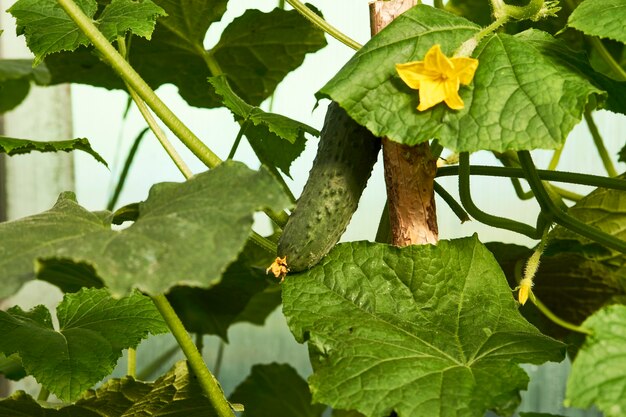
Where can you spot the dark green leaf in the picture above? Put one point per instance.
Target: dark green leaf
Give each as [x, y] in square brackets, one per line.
[47, 28]
[275, 390]
[538, 415]
[176, 394]
[598, 374]
[135, 16]
[346, 413]
[422, 330]
[16, 76]
[569, 283]
[93, 330]
[256, 52]
[11, 367]
[213, 310]
[186, 233]
[114, 397]
[258, 49]
[12, 146]
[22, 404]
[276, 139]
[478, 11]
[603, 18]
[260, 306]
[505, 106]
[622, 154]
[67, 275]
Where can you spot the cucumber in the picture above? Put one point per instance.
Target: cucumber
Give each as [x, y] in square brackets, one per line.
[345, 157]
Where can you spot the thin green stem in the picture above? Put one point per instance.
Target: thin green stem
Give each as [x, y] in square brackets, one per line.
[597, 140]
[43, 394]
[284, 186]
[242, 130]
[557, 320]
[452, 203]
[219, 359]
[132, 363]
[264, 243]
[481, 216]
[200, 343]
[558, 215]
[207, 381]
[134, 80]
[467, 48]
[556, 157]
[126, 169]
[438, 4]
[567, 194]
[324, 25]
[557, 176]
[597, 44]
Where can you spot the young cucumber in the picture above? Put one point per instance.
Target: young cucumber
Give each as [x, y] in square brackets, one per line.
[345, 156]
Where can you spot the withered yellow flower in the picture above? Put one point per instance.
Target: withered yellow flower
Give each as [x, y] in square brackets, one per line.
[438, 78]
[278, 268]
[525, 289]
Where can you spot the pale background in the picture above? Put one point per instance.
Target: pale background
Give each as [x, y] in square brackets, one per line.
[34, 182]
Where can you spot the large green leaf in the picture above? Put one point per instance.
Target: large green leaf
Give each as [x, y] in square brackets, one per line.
[12, 146]
[11, 367]
[521, 98]
[175, 394]
[256, 51]
[48, 28]
[478, 11]
[213, 310]
[270, 390]
[598, 374]
[16, 76]
[94, 328]
[277, 140]
[603, 18]
[422, 330]
[187, 233]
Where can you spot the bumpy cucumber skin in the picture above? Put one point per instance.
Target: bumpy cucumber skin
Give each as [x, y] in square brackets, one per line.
[345, 157]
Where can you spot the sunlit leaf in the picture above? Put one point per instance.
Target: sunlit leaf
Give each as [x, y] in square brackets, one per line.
[598, 374]
[421, 330]
[93, 330]
[603, 18]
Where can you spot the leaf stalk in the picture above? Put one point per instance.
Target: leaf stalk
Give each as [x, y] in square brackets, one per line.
[207, 381]
[597, 140]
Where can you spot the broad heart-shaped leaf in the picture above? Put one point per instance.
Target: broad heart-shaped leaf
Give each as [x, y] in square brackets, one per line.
[187, 233]
[256, 51]
[520, 98]
[277, 140]
[603, 18]
[270, 390]
[213, 310]
[94, 328]
[16, 76]
[421, 330]
[598, 374]
[49, 29]
[67, 275]
[12, 146]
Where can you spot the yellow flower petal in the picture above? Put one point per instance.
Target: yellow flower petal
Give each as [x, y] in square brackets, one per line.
[438, 78]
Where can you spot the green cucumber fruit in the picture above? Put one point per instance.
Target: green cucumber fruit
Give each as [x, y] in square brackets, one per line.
[345, 157]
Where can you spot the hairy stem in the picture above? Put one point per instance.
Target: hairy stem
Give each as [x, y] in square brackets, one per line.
[207, 381]
[132, 363]
[324, 25]
[597, 140]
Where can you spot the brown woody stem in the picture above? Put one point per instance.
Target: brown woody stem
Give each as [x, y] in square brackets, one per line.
[409, 170]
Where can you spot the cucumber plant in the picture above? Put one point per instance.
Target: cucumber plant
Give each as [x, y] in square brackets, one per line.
[392, 328]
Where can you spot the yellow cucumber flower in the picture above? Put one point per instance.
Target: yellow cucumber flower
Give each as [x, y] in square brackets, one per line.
[438, 78]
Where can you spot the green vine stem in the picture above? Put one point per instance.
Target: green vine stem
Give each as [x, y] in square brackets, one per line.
[219, 358]
[43, 394]
[556, 157]
[242, 129]
[557, 176]
[555, 319]
[323, 24]
[559, 216]
[209, 384]
[132, 363]
[597, 44]
[130, 76]
[597, 140]
[481, 216]
[452, 203]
